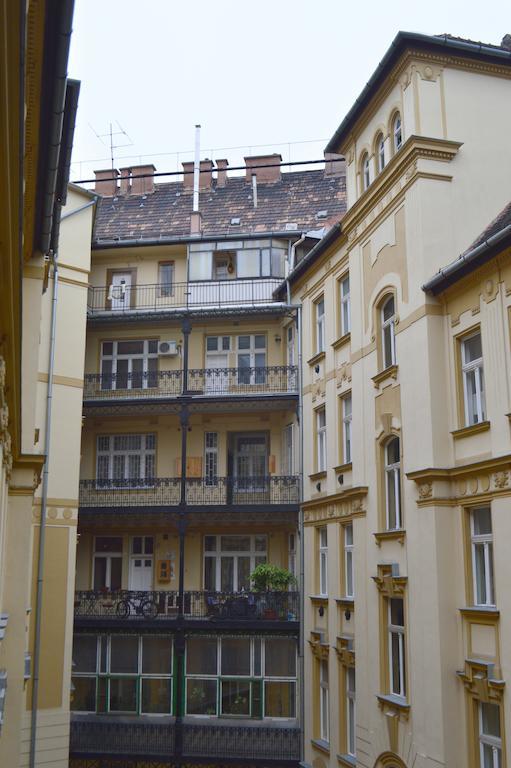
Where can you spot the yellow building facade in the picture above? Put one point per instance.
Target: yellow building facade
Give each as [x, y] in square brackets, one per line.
[405, 418]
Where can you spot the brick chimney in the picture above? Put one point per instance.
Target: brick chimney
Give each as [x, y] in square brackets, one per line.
[106, 182]
[335, 165]
[205, 175]
[263, 174]
[221, 177]
[142, 186]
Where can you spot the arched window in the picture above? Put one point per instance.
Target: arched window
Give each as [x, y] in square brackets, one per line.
[388, 322]
[366, 179]
[392, 484]
[397, 132]
[380, 152]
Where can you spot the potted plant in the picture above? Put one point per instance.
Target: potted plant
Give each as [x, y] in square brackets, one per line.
[271, 578]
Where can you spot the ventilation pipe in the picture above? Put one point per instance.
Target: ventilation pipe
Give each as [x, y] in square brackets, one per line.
[254, 189]
[196, 170]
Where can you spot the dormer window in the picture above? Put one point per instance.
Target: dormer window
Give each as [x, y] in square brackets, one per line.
[366, 178]
[397, 132]
[380, 152]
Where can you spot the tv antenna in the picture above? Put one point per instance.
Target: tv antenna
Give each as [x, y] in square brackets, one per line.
[111, 139]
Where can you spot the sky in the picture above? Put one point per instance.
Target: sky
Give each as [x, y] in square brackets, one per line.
[263, 76]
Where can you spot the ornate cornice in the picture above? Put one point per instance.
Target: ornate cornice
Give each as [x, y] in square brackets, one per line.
[319, 648]
[388, 581]
[345, 650]
[472, 483]
[480, 679]
[339, 506]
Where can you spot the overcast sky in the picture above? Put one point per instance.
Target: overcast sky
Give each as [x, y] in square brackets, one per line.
[268, 72]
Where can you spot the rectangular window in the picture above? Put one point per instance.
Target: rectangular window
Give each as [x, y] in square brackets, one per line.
[323, 560]
[229, 561]
[129, 364]
[344, 289]
[482, 556]
[473, 379]
[346, 429]
[490, 740]
[320, 325]
[247, 677]
[107, 563]
[292, 553]
[350, 711]
[349, 584]
[122, 674]
[287, 450]
[251, 359]
[396, 640]
[126, 461]
[321, 439]
[324, 714]
[166, 278]
[211, 457]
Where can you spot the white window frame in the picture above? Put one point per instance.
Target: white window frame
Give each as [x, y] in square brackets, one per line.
[347, 416]
[399, 631]
[323, 560]
[393, 475]
[351, 737]
[288, 450]
[109, 556]
[324, 704]
[477, 368]
[486, 739]
[345, 302]
[143, 453]
[349, 570]
[257, 370]
[380, 150]
[217, 554]
[211, 458]
[165, 289]
[321, 439]
[397, 132]
[115, 357]
[388, 326]
[319, 307]
[366, 172]
[485, 541]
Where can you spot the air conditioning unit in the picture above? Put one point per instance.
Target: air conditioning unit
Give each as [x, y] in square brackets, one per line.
[167, 348]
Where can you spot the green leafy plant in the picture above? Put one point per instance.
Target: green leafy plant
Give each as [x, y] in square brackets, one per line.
[271, 578]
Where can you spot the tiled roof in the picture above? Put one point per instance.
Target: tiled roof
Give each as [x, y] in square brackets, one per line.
[499, 222]
[165, 213]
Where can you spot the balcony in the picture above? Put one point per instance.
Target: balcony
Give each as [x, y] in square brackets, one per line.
[154, 739]
[229, 383]
[278, 492]
[201, 296]
[160, 608]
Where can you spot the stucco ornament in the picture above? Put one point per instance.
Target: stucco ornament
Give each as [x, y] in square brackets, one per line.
[501, 479]
[425, 490]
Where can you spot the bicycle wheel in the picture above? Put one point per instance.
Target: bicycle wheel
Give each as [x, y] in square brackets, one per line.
[123, 609]
[149, 608]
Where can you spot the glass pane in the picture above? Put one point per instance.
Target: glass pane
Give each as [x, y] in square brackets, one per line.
[243, 342]
[387, 346]
[210, 543]
[348, 535]
[235, 543]
[156, 695]
[84, 653]
[472, 348]
[491, 756]
[200, 697]
[108, 544]
[201, 653]
[212, 343]
[490, 720]
[397, 615]
[257, 656]
[349, 573]
[248, 263]
[124, 653]
[235, 697]
[279, 699]
[243, 573]
[260, 342]
[482, 521]
[260, 544]
[200, 265]
[148, 545]
[227, 574]
[350, 680]
[210, 574]
[84, 694]
[115, 573]
[108, 347]
[100, 573]
[235, 656]
[280, 657]
[470, 384]
[102, 694]
[157, 655]
[391, 500]
[123, 694]
[480, 575]
[395, 670]
[388, 309]
[130, 347]
[136, 545]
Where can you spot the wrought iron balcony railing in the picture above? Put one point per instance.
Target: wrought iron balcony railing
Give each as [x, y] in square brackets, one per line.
[164, 605]
[260, 380]
[108, 736]
[203, 294]
[200, 491]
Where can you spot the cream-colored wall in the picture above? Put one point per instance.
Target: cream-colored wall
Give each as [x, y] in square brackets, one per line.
[143, 259]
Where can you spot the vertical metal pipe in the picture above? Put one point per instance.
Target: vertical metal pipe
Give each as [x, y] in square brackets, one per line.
[254, 189]
[301, 651]
[196, 170]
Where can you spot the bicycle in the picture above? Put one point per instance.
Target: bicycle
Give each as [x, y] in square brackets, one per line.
[141, 605]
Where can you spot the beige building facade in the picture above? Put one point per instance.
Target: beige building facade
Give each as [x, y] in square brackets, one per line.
[406, 429]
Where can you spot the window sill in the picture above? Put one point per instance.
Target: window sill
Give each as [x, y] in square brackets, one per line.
[473, 429]
[387, 373]
[322, 745]
[480, 612]
[317, 358]
[397, 534]
[348, 760]
[319, 599]
[318, 475]
[346, 602]
[343, 468]
[389, 702]
[341, 341]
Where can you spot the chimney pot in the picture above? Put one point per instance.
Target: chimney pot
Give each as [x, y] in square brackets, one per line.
[221, 177]
[335, 165]
[205, 175]
[106, 182]
[138, 186]
[263, 174]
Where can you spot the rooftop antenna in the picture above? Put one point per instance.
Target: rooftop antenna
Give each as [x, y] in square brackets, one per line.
[110, 136]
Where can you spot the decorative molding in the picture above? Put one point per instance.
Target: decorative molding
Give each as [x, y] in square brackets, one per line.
[397, 534]
[479, 680]
[394, 709]
[387, 373]
[341, 468]
[472, 429]
[319, 647]
[345, 650]
[317, 358]
[347, 504]
[343, 373]
[341, 341]
[389, 582]
[474, 483]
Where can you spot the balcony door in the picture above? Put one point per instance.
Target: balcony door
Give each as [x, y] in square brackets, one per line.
[229, 561]
[250, 461]
[217, 362]
[141, 563]
[119, 293]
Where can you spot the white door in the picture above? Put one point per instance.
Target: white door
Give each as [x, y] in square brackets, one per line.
[217, 378]
[141, 563]
[120, 290]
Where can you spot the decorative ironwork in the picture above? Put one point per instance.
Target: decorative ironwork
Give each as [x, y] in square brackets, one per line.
[164, 604]
[275, 744]
[207, 382]
[128, 299]
[115, 737]
[200, 491]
